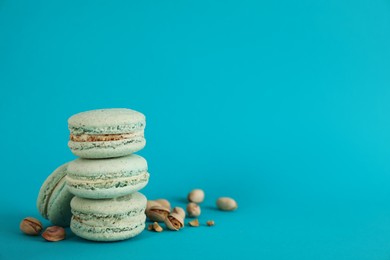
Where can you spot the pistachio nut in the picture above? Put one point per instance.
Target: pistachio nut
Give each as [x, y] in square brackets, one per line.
[194, 223]
[174, 221]
[31, 226]
[163, 202]
[226, 204]
[193, 210]
[210, 223]
[150, 227]
[157, 227]
[150, 204]
[179, 211]
[196, 195]
[157, 213]
[54, 233]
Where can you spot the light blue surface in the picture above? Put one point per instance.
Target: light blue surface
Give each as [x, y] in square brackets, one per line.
[283, 105]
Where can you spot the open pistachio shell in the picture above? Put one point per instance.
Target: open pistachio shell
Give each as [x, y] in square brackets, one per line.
[163, 202]
[157, 213]
[174, 221]
[150, 204]
[179, 211]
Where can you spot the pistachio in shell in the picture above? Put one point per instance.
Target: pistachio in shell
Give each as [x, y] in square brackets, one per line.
[174, 221]
[157, 213]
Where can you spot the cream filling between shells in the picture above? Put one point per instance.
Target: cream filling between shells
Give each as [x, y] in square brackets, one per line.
[102, 184]
[104, 137]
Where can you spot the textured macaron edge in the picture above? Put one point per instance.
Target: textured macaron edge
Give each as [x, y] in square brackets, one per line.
[107, 149]
[118, 129]
[109, 220]
[107, 178]
[48, 187]
[103, 189]
[106, 234]
[58, 209]
[107, 121]
[117, 205]
[124, 166]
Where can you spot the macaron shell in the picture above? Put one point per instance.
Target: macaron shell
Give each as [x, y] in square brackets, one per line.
[106, 121]
[122, 166]
[108, 234]
[48, 187]
[107, 178]
[110, 219]
[110, 189]
[53, 200]
[59, 211]
[116, 206]
[107, 149]
[83, 126]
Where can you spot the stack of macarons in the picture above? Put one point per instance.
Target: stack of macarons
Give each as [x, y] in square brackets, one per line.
[97, 194]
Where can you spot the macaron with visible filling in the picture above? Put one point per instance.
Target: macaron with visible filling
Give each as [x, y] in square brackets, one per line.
[107, 178]
[106, 133]
[110, 219]
[53, 201]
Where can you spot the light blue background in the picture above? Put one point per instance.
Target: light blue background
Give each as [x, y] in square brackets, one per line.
[283, 105]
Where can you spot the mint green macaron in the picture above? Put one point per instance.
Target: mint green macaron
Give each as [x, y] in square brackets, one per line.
[107, 178]
[108, 219]
[53, 201]
[106, 133]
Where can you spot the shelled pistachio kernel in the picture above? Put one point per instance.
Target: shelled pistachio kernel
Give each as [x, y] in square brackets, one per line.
[150, 227]
[194, 223]
[226, 204]
[196, 195]
[174, 221]
[193, 210]
[31, 226]
[210, 223]
[54, 233]
[157, 227]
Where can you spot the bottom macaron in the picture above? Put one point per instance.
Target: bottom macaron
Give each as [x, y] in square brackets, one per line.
[108, 219]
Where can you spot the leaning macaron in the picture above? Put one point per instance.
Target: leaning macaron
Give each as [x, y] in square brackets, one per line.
[110, 219]
[53, 201]
[106, 133]
[107, 178]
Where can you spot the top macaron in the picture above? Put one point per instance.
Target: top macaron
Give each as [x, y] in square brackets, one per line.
[106, 133]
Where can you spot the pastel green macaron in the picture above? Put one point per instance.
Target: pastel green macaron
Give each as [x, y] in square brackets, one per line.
[110, 219]
[106, 133]
[53, 201]
[107, 178]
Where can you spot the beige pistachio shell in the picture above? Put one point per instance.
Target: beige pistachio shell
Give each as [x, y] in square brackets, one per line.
[226, 204]
[180, 211]
[193, 210]
[157, 213]
[54, 234]
[174, 221]
[31, 226]
[163, 202]
[150, 204]
[196, 195]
